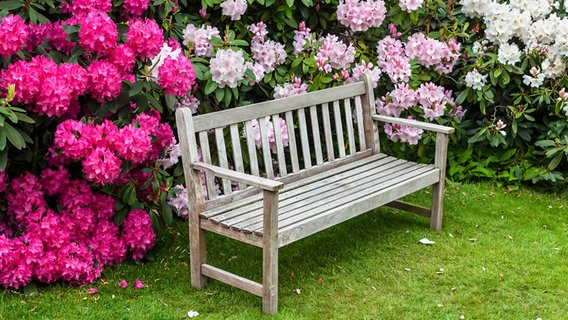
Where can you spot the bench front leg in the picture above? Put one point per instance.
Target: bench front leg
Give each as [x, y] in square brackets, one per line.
[438, 189]
[270, 253]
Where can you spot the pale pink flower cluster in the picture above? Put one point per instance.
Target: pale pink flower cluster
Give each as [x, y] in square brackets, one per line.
[179, 202]
[433, 53]
[234, 8]
[13, 35]
[302, 36]
[190, 102]
[172, 155]
[360, 15]
[228, 67]
[410, 5]
[433, 100]
[363, 67]
[74, 243]
[270, 129]
[259, 31]
[268, 54]
[402, 133]
[295, 87]
[334, 54]
[397, 101]
[41, 82]
[102, 148]
[393, 60]
[199, 39]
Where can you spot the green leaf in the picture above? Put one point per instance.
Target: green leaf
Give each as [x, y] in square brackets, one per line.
[3, 159]
[555, 161]
[219, 94]
[167, 213]
[24, 118]
[290, 3]
[2, 139]
[9, 114]
[14, 136]
[210, 87]
[11, 4]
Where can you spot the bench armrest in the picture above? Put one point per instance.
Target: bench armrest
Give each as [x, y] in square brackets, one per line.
[245, 178]
[415, 124]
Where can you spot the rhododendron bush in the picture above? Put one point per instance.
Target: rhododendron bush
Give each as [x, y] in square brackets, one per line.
[89, 163]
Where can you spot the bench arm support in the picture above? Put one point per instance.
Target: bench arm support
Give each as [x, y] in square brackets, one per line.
[266, 184]
[415, 124]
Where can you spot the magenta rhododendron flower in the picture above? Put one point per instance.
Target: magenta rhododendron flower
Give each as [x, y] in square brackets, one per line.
[82, 8]
[105, 81]
[135, 144]
[138, 234]
[123, 284]
[139, 284]
[144, 37]
[101, 166]
[98, 33]
[176, 76]
[13, 35]
[135, 8]
[123, 58]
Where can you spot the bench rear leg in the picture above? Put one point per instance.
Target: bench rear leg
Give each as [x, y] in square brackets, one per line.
[437, 206]
[197, 253]
[270, 253]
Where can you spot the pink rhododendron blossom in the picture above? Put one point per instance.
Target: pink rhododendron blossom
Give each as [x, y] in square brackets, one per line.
[105, 81]
[199, 39]
[173, 153]
[138, 234]
[433, 100]
[228, 67]
[293, 88]
[270, 131]
[179, 202]
[397, 101]
[432, 53]
[37, 34]
[268, 54]
[14, 272]
[234, 8]
[138, 284]
[393, 60]
[98, 33]
[107, 246]
[176, 76]
[398, 132]
[25, 200]
[259, 31]
[144, 37]
[54, 181]
[67, 138]
[123, 284]
[302, 36]
[190, 102]
[80, 264]
[101, 166]
[258, 71]
[360, 15]
[13, 35]
[368, 68]
[336, 53]
[135, 8]
[410, 5]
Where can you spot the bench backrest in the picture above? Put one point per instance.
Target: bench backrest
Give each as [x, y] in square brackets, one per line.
[309, 130]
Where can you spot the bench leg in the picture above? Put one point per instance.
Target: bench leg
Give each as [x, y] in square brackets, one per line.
[197, 254]
[437, 206]
[270, 280]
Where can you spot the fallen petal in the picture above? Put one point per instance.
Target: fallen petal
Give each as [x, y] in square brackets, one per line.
[426, 241]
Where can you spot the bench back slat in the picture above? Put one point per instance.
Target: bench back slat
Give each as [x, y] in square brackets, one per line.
[285, 137]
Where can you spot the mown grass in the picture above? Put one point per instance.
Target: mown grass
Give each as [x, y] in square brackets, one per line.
[503, 255]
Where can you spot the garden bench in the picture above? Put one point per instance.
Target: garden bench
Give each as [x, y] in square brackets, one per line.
[327, 170]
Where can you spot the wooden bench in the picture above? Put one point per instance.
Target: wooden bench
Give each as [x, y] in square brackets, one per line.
[331, 170]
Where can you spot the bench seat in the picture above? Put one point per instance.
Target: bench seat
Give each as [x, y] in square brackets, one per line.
[317, 202]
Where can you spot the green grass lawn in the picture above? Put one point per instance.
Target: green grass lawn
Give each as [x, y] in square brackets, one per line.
[501, 255]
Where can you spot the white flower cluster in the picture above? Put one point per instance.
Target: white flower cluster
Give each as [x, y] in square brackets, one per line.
[475, 80]
[534, 23]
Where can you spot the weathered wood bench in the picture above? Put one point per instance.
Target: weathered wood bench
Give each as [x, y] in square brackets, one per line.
[330, 171]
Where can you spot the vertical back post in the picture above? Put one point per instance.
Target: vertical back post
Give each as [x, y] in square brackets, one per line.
[196, 199]
[438, 188]
[371, 127]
